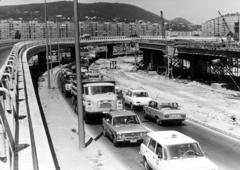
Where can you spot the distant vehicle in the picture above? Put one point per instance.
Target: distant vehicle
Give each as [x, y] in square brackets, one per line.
[134, 35]
[92, 74]
[66, 78]
[85, 36]
[136, 97]
[172, 150]
[123, 126]
[98, 97]
[164, 112]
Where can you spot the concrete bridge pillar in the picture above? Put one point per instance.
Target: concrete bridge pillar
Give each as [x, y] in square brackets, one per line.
[198, 68]
[146, 58]
[153, 59]
[42, 61]
[72, 52]
[110, 51]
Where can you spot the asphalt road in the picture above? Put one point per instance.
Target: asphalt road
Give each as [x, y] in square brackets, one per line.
[4, 53]
[222, 150]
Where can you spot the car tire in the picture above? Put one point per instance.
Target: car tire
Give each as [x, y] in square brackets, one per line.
[75, 107]
[158, 121]
[86, 118]
[73, 100]
[145, 114]
[115, 143]
[146, 165]
[131, 106]
[104, 132]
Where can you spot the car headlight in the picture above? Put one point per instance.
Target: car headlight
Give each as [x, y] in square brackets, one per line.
[143, 134]
[120, 136]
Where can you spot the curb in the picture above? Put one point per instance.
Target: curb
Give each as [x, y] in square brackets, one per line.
[214, 128]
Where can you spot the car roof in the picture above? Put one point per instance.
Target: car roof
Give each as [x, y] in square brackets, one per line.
[116, 113]
[170, 137]
[137, 89]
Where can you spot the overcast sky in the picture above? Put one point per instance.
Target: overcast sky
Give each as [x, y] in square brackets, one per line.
[196, 11]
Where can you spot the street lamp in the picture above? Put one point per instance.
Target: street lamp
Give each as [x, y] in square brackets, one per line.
[29, 22]
[58, 36]
[46, 28]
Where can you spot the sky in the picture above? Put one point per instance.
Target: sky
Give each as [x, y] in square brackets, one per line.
[196, 11]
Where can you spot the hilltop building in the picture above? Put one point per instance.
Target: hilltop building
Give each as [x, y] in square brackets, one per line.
[217, 27]
[34, 29]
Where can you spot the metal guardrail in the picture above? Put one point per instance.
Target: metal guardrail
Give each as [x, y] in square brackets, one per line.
[8, 110]
[20, 125]
[17, 133]
[19, 111]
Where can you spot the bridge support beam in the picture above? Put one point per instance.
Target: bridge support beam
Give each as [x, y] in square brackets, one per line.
[42, 61]
[72, 52]
[198, 67]
[110, 51]
[153, 59]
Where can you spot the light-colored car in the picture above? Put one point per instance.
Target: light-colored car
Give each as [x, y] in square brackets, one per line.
[136, 97]
[92, 74]
[123, 126]
[164, 112]
[172, 150]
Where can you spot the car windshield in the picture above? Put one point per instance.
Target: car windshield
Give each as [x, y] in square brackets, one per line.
[125, 120]
[140, 94]
[102, 89]
[183, 151]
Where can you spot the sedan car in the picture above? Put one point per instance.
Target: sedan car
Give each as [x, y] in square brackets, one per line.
[123, 126]
[136, 97]
[172, 150]
[164, 112]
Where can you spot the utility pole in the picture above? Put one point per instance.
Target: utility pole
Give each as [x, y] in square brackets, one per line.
[58, 37]
[162, 24]
[81, 131]
[46, 28]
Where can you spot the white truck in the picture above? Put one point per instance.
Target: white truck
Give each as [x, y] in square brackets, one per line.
[98, 97]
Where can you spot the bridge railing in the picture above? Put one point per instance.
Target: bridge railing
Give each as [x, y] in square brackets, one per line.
[8, 111]
[23, 140]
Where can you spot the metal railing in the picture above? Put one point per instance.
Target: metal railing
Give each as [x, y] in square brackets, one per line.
[8, 110]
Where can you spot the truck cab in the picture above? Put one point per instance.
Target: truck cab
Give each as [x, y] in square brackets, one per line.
[98, 97]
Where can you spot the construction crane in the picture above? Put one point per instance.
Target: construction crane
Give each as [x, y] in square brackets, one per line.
[230, 34]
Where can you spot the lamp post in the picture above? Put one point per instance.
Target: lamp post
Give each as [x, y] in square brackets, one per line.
[58, 36]
[81, 132]
[30, 21]
[46, 30]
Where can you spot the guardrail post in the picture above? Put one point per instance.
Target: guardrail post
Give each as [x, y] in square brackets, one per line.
[3, 153]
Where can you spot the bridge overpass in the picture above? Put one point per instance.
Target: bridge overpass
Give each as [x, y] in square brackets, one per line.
[24, 140]
[199, 60]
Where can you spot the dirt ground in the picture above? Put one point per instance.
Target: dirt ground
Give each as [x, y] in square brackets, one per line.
[214, 107]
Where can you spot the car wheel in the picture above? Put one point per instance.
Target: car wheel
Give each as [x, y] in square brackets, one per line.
[104, 132]
[146, 166]
[131, 106]
[73, 100]
[86, 118]
[75, 108]
[158, 121]
[115, 143]
[145, 114]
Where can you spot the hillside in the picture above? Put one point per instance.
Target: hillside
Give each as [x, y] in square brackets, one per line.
[180, 20]
[100, 11]
[93, 11]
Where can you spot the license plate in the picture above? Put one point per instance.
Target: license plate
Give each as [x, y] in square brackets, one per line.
[175, 116]
[133, 140]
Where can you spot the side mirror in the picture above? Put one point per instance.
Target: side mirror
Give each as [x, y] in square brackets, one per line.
[159, 156]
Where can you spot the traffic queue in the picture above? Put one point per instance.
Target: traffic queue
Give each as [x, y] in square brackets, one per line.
[160, 150]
